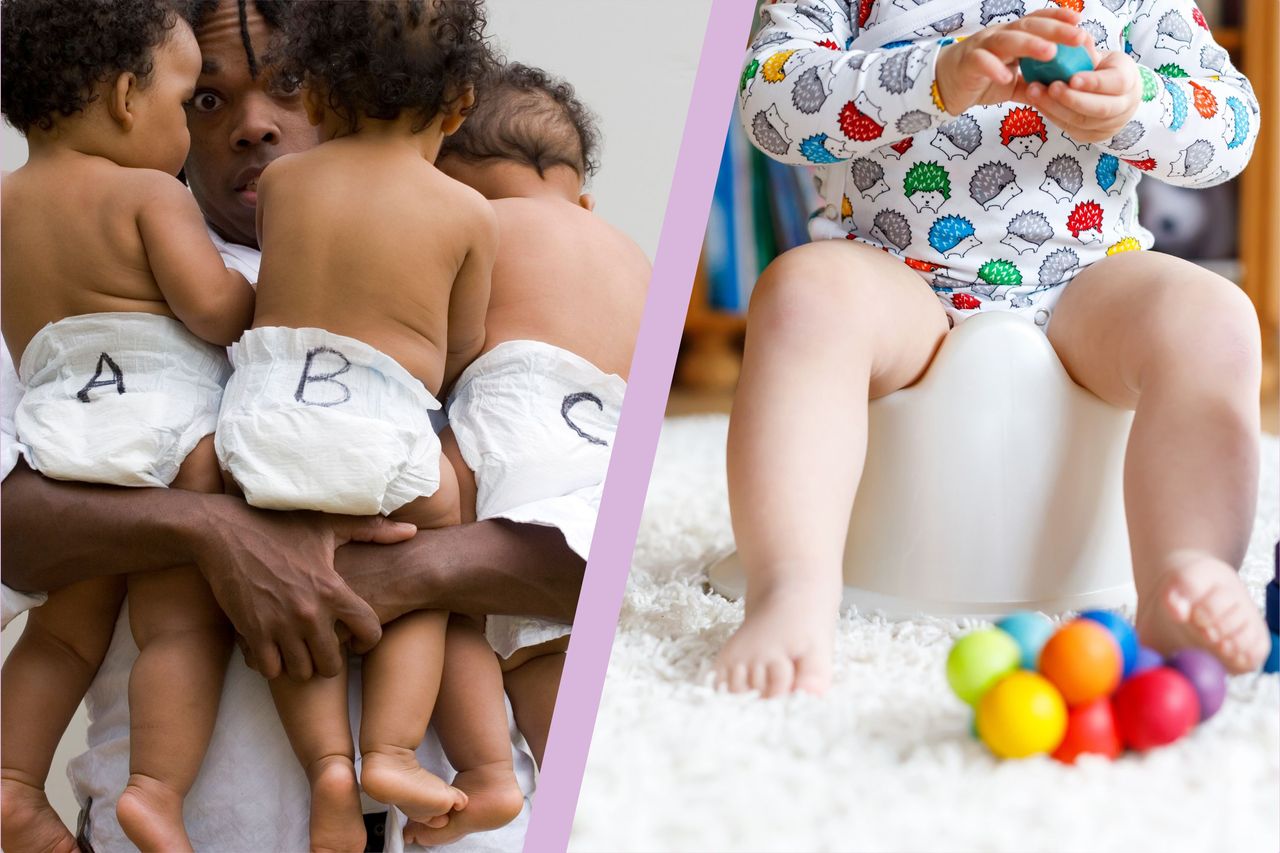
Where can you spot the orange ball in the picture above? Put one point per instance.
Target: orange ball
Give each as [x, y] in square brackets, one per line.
[1083, 661]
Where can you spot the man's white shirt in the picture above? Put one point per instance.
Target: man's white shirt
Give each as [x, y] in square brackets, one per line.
[251, 793]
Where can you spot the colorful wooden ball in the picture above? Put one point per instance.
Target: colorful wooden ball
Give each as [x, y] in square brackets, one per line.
[1273, 659]
[1029, 630]
[1091, 728]
[1067, 61]
[1082, 660]
[1155, 707]
[1147, 659]
[978, 660]
[1120, 628]
[1207, 676]
[1022, 715]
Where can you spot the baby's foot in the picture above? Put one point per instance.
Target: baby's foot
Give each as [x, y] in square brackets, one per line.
[392, 775]
[29, 823]
[336, 823]
[150, 813]
[785, 643]
[1200, 601]
[494, 799]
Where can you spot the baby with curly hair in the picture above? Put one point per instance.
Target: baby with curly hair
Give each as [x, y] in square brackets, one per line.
[534, 416]
[116, 307]
[371, 300]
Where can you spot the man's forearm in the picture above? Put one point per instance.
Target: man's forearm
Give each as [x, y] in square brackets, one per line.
[491, 567]
[54, 533]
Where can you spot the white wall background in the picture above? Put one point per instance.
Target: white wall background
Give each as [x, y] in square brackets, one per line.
[633, 66]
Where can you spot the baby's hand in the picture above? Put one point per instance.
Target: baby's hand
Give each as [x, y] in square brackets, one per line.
[982, 69]
[1093, 105]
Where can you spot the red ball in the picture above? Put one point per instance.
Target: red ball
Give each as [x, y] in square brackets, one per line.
[1090, 728]
[1155, 707]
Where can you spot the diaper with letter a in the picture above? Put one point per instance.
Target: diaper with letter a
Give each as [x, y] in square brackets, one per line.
[536, 424]
[117, 398]
[314, 420]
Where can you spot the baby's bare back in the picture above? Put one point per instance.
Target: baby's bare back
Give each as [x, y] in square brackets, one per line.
[366, 243]
[566, 277]
[71, 245]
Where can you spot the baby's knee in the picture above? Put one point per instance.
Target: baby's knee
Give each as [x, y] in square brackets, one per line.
[1209, 325]
[807, 289]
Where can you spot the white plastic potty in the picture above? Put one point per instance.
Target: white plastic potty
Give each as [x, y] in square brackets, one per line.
[993, 484]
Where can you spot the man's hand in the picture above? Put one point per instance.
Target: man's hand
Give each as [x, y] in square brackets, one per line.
[1093, 105]
[273, 575]
[982, 69]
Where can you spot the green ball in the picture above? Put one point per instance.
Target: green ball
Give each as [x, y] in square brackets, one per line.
[978, 660]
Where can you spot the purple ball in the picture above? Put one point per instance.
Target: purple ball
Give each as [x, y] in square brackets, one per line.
[1147, 659]
[1206, 675]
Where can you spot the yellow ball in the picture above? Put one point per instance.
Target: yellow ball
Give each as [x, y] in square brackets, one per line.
[1022, 715]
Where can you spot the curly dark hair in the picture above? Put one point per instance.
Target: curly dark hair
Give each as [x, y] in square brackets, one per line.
[196, 12]
[378, 58]
[53, 52]
[528, 116]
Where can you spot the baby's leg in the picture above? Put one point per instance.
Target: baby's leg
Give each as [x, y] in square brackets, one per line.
[183, 645]
[401, 679]
[471, 720]
[44, 679]
[831, 325]
[466, 479]
[314, 715]
[439, 509]
[1180, 345]
[532, 681]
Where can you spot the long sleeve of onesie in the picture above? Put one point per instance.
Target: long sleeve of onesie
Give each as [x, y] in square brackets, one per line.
[808, 99]
[1198, 118]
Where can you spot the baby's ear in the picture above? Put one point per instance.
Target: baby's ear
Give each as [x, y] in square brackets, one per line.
[119, 96]
[457, 112]
[587, 202]
[314, 105]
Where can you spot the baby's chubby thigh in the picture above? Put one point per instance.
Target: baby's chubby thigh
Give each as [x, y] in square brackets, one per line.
[1136, 320]
[846, 301]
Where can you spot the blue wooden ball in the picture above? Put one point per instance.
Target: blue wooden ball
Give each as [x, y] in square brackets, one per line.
[1067, 61]
[1273, 659]
[1030, 631]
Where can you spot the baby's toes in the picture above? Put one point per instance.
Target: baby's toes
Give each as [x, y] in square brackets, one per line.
[1247, 646]
[738, 679]
[813, 674]
[780, 677]
[1209, 612]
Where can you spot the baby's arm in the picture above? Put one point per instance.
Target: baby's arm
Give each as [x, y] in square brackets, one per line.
[469, 299]
[214, 302]
[806, 99]
[1195, 119]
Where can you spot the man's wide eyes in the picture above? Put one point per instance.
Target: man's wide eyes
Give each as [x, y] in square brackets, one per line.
[204, 102]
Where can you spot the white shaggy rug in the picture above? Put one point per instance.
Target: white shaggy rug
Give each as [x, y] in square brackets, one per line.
[885, 761]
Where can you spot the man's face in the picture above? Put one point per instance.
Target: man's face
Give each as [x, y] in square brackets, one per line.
[239, 123]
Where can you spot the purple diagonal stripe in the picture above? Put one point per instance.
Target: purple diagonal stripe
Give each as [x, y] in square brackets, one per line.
[649, 384]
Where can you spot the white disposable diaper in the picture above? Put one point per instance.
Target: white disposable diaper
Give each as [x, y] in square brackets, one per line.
[314, 420]
[536, 424]
[118, 398]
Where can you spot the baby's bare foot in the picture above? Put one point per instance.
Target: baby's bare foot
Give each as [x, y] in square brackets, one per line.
[785, 642]
[494, 799]
[336, 823]
[150, 813]
[28, 824]
[392, 775]
[1200, 601]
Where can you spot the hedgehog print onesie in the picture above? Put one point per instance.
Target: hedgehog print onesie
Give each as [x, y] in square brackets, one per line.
[997, 208]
